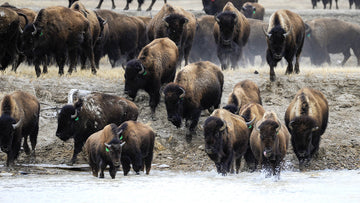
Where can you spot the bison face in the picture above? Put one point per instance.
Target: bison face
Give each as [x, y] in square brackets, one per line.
[175, 24]
[269, 137]
[7, 129]
[248, 11]
[135, 77]
[174, 96]
[214, 128]
[276, 42]
[114, 149]
[226, 21]
[210, 7]
[67, 121]
[32, 37]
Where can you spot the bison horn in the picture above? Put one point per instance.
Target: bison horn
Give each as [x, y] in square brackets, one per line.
[286, 34]
[183, 94]
[74, 115]
[291, 125]
[16, 125]
[142, 69]
[250, 122]
[122, 144]
[223, 127]
[217, 19]
[266, 33]
[35, 30]
[119, 133]
[107, 145]
[166, 23]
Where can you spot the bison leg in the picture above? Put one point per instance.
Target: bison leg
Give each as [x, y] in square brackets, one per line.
[113, 4]
[26, 146]
[148, 161]
[37, 67]
[346, 56]
[127, 4]
[102, 166]
[250, 160]
[125, 162]
[112, 171]
[151, 5]
[237, 165]
[99, 5]
[272, 63]
[194, 121]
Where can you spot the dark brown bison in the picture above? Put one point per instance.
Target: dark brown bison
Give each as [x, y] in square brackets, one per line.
[196, 87]
[251, 112]
[204, 46]
[356, 2]
[243, 93]
[226, 139]
[323, 36]
[139, 146]
[285, 38]
[231, 33]
[124, 38]
[306, 118]
[90, 114]
[253, 10]
[59, 32]
[212, 7]
[155, 65]
[178, 25]
[104, 148]
[269, 141]
[256, 44]
[19, 119]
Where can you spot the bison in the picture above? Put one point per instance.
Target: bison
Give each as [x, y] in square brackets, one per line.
[212, 7]
[204, 46]
[323, 35]
[177, 24]
[104, 148]
[90, 114]
[124, 36]
[60, 32]
[196, 87]
[307, 118]
[139, 148]
[269, 142]
[226, 139]
[231, 33]
[285, 38]
[256, 45]
[244, 92]
[19, 119]
[155, 65]
[253, 10]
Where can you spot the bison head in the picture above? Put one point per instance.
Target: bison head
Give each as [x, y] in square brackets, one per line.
[276, 40]
[175, 24]
[248, 10]
[227, 21]
[214, 128]
[174, 96]
[114, 147]
[301, 129]
[269, 130]
[135, 77]
[32, 37]
[8, 126]
[68, 119]
[210, 7]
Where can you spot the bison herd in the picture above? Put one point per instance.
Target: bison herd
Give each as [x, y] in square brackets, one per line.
[151, 50]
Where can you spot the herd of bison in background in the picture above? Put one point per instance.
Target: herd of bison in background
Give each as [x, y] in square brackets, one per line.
[151, 50]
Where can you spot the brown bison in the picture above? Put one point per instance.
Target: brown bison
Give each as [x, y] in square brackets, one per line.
[226, 139]
[253, 10]
[104, 148]
[90, 114]
[139, 146]
[231, 33]
[269, 141]
[243, 93]
[204, 46]
[19, 119]
[212, 7]
[323, 35]
[285, 38]
[256, 45]
[123, 38]
[59, 32]
[306, 118]
[196, 87]
[178, 25]
[155, 65]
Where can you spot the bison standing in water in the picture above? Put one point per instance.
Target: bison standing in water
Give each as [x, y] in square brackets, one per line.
[90, 114]
[155, 65]
[104, 148]
[307, 118]
[269, 142]
[231, 33]
[285, 38]
[196, 87]
[19, 119]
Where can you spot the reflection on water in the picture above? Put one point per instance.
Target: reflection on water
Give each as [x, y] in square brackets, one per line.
[171, 186]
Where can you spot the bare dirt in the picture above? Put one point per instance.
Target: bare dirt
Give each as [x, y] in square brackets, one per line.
[339, 147]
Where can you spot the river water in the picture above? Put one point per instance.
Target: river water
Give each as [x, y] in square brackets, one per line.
[173, 186]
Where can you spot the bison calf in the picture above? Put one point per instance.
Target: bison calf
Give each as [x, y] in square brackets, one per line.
[19, 119]
[269, 142]
[139, 148]
[104, 148]
[197, 86]
[155, 65]
[253, 10]
[306, 118]
[226, 139]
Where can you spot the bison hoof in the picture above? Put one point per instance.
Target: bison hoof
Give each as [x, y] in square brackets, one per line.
[189, 137]
[272, 78]
[126, 8]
